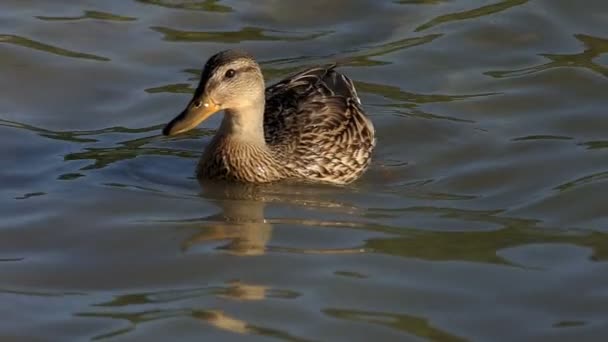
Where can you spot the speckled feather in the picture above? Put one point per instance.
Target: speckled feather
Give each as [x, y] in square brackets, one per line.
[314, 128]
[314, 122]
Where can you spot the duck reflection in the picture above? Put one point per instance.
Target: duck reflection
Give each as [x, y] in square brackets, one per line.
[246, 292]
[241, 221]
[223, 321]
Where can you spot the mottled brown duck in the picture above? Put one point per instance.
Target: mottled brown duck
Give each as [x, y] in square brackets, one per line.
[307, 127]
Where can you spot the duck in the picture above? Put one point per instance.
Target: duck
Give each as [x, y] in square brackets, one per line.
[308, 127]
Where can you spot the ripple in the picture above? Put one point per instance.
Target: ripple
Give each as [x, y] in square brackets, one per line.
[600, 176]
[596, 145]
[30, 195]
[569, 324]
[471, 14]
[359, 57]
[244, 34]
[283, 67]
[225, 322]
[41, 293]
[419, 2]
[176, 88]
[318, 251]
[134, 319]
[233, 290]
[34, 45]
[595, 47]
[11, 260]
[482, 246]
[416, 326]
[216, 318]
[541, 137]
[397, 94]
[351, 274]
[104, 156]
[207, 5]
[70, 176]
[96, 15]
[118, 151]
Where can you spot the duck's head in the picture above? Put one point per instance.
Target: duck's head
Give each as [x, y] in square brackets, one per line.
[231, 80]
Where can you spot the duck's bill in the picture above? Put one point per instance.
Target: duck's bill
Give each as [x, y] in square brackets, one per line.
[192, 116]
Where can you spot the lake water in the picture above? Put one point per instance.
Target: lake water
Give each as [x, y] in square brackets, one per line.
[483, 217]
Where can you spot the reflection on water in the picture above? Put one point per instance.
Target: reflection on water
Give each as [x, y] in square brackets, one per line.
[595, 47]
[244, 34]
[413, 325]
[481, 218]
[32, 44]
[89, 15]
[207, 5]
[241, 221]
[471, 14]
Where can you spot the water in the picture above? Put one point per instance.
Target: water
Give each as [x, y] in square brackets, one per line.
[483, 217]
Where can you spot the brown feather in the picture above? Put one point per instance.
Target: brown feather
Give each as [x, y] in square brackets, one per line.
[314, 129]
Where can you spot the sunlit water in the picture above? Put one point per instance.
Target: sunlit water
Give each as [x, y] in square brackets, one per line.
[483, 217]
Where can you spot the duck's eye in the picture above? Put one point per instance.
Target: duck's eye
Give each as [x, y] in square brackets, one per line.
[197, 104]
[230, 73]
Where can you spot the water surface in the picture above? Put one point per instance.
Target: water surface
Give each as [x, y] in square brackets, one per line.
[483, 217]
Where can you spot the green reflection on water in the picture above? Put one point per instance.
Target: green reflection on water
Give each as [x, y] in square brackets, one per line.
[360, 57]
[31, 194]
[104, 156]
[207, 5]
[408, 102]
[351, 274]
[76, 136]
[410, 242]
[244, 34]
[569, 324]
[595, 145]
[396, 94]
[595, 47]
[133, 318]
[32, 44]
[283, 67]
[215, 318]
[90, 15]
[411, 324]
[129, 149]
[70, 176]
[470, 14]
[583, 180]
[175, 88]
[542, 137]
[363, 57]
[419, 2]
[232, 290]
[482, 246]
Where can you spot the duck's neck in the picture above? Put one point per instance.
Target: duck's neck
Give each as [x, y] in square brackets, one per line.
[245, 124]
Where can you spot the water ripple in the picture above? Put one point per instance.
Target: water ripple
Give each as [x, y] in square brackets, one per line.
[34, 45]
[244, 34]
[413, 325]
[595, 47]
[207, 5]
[95, 15]
[471, 14]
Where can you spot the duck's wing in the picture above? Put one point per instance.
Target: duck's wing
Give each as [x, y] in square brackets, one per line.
[314, 120]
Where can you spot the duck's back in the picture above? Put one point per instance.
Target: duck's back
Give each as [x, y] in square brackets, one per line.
[314, 124]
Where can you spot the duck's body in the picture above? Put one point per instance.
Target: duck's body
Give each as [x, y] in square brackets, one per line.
[308, 127]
